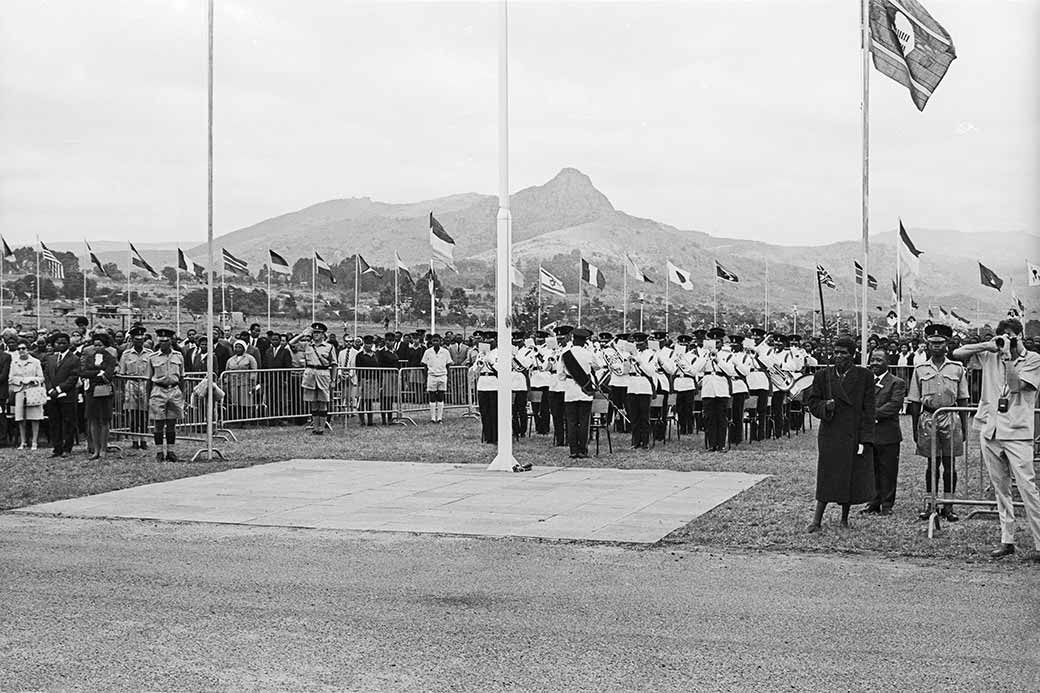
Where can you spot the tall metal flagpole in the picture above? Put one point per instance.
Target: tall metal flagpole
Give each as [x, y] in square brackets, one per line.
[666, 303]
[3, 261]
[642, 297]
[578, 324]
[624, 304]
[539, 321]
[85, 266]
[504, 459]
[899, 292]
[269, 294]
[715, 285]
[865, 47]
[357, 282]
[314, 288]
[38, 306]
[433, 303]
[397, 298]
[813, 310]
[178, 270]
[765, 314]
[129, 266]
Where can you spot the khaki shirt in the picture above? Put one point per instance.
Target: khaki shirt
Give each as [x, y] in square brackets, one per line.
[167, 370]
[938, 387]
[1018, 422]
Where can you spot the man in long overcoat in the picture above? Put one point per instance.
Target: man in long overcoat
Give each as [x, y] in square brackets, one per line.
[842, 397]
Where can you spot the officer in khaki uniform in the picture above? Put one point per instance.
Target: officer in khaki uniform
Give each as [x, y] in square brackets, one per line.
[936, 383]
[166, 402]
[133, 368]
[319, 372]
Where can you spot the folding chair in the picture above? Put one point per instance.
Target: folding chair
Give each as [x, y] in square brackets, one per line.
[600, 421]
[750, 416]
[666, 417]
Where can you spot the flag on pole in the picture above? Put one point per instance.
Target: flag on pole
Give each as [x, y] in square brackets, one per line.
[8, 254]
[964, 320]
[54, 265]
[989, 277]
[825, 277]
[442, 245]
[897, 290]
[94, 259]
[913, 303]
[1034, 273]
[516, 276]
[366, 268]
[323, 267]
[909, 46]
[871, 280]
[592, 275]
[403, 268]
[1018, 302]
[195, 269]
[724, 274]
[634, 270]
[137, 260]
[278, 264]
[550, 282]
[909, 255]
[431, 280]
[233, 264]
[678, 276]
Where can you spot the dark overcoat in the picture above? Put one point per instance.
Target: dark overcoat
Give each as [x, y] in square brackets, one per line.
[842, 476]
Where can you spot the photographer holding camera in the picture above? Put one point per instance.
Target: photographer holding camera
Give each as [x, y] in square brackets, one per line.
[1010, 378]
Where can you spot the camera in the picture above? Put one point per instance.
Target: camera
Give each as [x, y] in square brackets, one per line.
[999, 341]
[1002, 405]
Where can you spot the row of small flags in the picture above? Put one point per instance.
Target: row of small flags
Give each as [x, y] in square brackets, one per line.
[592, 275]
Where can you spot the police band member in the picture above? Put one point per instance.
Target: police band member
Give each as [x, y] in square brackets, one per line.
[715, 374]
[617, 369]
[742, 363]
[642, 384]
[485, 369]
[684, 383]
[521, 365]
[578, 370]
[556, 409]
[938, 382]
[166, 401]
[319, 370]
[759, 386]
[541, 378]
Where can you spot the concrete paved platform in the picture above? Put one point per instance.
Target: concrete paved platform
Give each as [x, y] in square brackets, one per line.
[552, 502]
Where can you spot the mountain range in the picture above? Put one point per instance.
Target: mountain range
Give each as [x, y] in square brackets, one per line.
[568, 217]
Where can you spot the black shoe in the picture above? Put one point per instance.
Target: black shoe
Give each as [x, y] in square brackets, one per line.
[950, 515]
[170, 457]
[885, 511]
[870, 510]
[135, 445]
[1002, 550]
[144, 445]
[57, 453]
[924, 514]
[159, 457]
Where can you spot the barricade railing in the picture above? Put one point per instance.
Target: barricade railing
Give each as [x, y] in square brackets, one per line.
[367, 393]
[130, 409]
[932, 499]
[252, 396]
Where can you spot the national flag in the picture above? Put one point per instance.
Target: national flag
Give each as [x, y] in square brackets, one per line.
[897, 290]
[989, 277]
[592, 275]
[724, 274]
[94, 259]
[365, 268]
[913, 303]
[909, 255]
[137, 260]
[195, 269]
[233, 264]
[634, 270]
[8, 254]
[516, 276]
[550, 282]
[871, 280]
[54, 265]
[909, 46]
[403, 268]
[442, 245]
[431, 280]
[964, 320]
[323, 267]
[1018, 302]
[678, 276]
[1034, 273]
[278, 264]
[825, 277]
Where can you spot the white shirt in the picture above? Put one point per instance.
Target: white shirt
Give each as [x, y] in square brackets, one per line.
[644, 369]
[572, 392]
[436, 362]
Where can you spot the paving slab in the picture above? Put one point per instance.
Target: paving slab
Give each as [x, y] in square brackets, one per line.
[639, 505]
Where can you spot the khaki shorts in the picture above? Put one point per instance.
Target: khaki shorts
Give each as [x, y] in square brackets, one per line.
[436, 383]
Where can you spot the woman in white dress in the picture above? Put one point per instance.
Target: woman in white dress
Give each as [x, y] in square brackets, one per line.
[240, 375]
[26, 374]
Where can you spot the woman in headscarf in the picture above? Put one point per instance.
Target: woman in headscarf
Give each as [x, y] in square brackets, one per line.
[240, 376]
[26, 374]
[98, 369]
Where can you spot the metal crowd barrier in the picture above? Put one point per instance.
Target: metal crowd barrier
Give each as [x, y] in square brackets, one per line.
[130, 417]
[932, 501]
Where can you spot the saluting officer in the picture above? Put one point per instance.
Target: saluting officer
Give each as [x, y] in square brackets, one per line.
[938, 382]
[319, 370]
[133, 368]
[166, 402]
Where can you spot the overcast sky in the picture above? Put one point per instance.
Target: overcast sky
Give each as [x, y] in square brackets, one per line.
[739, 118]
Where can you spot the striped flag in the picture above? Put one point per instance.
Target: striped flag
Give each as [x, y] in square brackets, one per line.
[550, 282]
[989, 277]
[592, 275]
[196, 269]
[442, 245]
[365, 268]
[137, 260]
[8, 254]
[634, 270]
[323, 267]
[909, 46]
[871, 280]
[278, 264]
[908, 253]
[403, 268]
[94, 259]
[724, 274]
[825, 277]
[233, 264]
[678, 276]
[54, 265]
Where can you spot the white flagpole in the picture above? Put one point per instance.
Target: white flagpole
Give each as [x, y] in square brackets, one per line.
[314, 288]
[209, 244]
[641, 297]
[433, 303]
[795, 315]
[357, 282]
[579, 291]
[269, 263]
[3, 261]
[85, 265]
[716, 292]
[865, 47]
[539, 321]
[765, 315]
[503, 284]
[397, 298]
[813, 308]
[129, 266]
[38, 306]
[667, 307]
[223, 294]
[899, 291]
[178, 269]
[624, 304]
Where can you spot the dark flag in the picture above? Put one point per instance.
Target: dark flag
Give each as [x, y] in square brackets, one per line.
[592, 275]
[196, 269]
[871, 280]
[8, 254]
[724, 274]
[442, 245]
[137, 260]
[989, 277]
[909, 46]
[278, 264]
[825, 277]
[94, 259]
[233, 264]
[323, 267]
[365, 268]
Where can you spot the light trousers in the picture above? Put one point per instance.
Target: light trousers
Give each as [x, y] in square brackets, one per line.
[1007, 459]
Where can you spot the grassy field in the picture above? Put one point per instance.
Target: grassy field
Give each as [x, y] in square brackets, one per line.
[770, 516]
